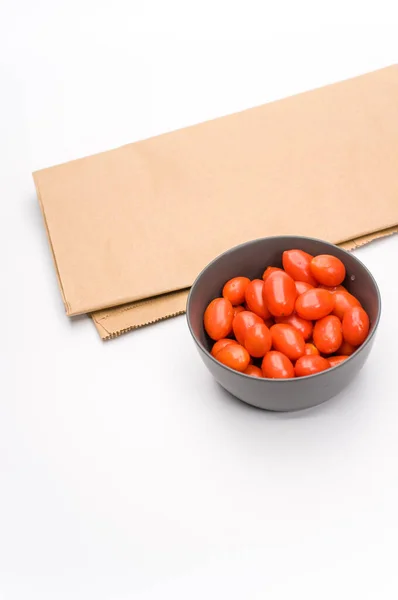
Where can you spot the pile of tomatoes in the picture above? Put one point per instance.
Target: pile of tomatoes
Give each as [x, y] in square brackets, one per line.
[293, 322]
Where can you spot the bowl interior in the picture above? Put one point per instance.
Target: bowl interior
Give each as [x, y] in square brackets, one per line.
[251, 259]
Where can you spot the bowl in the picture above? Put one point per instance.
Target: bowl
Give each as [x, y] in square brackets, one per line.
[250, 259]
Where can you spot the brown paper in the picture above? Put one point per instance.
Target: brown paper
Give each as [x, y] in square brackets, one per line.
[139, 222]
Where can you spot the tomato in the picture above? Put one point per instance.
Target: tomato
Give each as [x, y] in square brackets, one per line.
[242, 322]
[221, 344]
[253, 371]
[343, 301]
[238, 309]
[346, 349]
[355, 325]
[234, 356]
[297, 264]
[254, 298]
[276, 365]
[303, 326]
[288, 340]
[302, 287]
[328, 335]
[310, 349]
[279, 294]
[333, 288]
[234, 290]
[270, 270]
[328, 269]
[258, 340]
[218, 318]
[336, 360]
[315, 304]
[310, 364]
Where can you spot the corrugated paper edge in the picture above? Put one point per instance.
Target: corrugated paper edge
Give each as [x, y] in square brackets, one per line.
[116, 321]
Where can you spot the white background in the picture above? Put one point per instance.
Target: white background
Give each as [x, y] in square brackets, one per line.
[125, 471]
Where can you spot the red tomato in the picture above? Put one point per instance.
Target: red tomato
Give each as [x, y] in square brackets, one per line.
[218, 318]
[297, 264]
[258, 340]
[328, 269]
[234, 290]
[302, 287]
[238, 309]
[303, 326]
[253, 371]
[355, 325]
[315, 304]
[328, 335]
[333, 288]
[276, 365]
[221, 344]
[254, 298]
[310, 349]
[234, 356]
[270, 270]
[336, 360]
[279, 294]
[288, 340]
[310, 364]
[343, 301]
[242, 322]
[346, 349]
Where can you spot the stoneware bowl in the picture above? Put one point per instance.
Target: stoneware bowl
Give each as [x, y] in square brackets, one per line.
[250, 259]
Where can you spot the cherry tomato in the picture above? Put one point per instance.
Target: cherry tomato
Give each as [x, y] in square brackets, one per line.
[328, 335]
[315, 304]
[234, 290]
[234, 356]
[336, 360]
[258, 340]
[333, 288]
[254, 298]
[242, 322]
[355, 325]
[221, 344]
[270, 270]
[346, 349]
[310, 364]
[238, 309]
[218, 318]
[310, 349]
[302, 287]
[288, 340]
[253, 371]
[303, 326]
[328, 269]
[279, 294]
[297, 264]
[276, 365]
[343, 301]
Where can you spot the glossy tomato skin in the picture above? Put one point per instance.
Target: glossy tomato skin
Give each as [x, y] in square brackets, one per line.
[253, 371]
[234, 356]
[242, 322]
[355, 325]
[314, 304]
[336, 360]
[288, 340]
[218, 318]
[238, 309]
[258, 340]
[279, 294]
[346, 349]
[328, 269]
[328, 334]
[302, 287]
[270, 270]
[234, 290]
[302, 325]
[276, 365]
[220, 344]
[342, 302]
[310, 364]
[333, 288]
[255, 300]
[311, 349]
[297, 264]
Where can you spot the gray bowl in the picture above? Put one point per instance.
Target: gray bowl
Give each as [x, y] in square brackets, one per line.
[250, 259]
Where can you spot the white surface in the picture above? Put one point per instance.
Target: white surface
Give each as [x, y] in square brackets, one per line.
[125, 472]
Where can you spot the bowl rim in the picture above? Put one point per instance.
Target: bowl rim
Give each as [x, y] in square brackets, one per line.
[291, 380]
